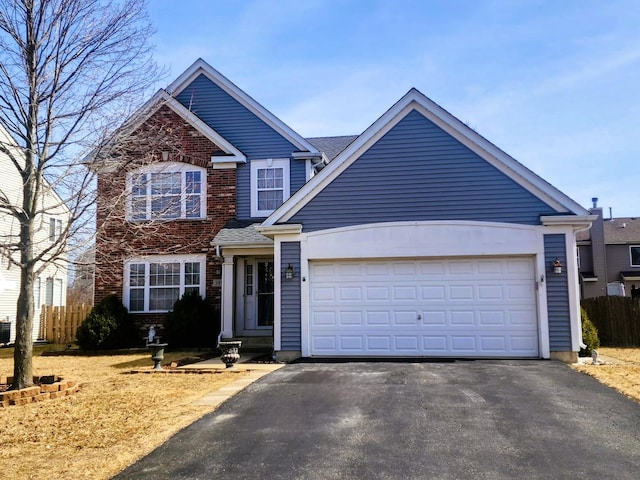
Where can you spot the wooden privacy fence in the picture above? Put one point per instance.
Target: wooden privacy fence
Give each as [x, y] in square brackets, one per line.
[60, 324]
[616, 318]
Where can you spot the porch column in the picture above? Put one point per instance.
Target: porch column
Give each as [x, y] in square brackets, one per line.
[227, 297]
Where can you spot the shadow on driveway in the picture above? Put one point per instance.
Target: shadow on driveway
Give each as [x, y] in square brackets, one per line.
[410, 420]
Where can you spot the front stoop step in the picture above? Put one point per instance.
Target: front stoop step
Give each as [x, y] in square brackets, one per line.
[256, 344]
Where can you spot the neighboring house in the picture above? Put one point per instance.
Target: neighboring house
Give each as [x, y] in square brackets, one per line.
[50, 286]
[420, 238]
[609, 256]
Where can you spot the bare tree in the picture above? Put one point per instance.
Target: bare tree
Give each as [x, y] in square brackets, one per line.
[69, 71]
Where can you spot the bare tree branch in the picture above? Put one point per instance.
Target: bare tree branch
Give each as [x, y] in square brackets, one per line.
[70, 70]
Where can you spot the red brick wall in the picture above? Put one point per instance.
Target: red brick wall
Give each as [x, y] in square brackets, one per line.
[117, 239]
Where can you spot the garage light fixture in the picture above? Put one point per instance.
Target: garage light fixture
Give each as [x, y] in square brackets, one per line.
[557, 266]
[288, 273]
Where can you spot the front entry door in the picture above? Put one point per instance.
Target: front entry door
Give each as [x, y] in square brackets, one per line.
[265, 293]
[258, 297]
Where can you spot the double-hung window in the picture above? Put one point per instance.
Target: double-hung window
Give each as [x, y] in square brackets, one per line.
[55, 229]
[155, 283]
[634, 255]
[269, 185]
[167, 191]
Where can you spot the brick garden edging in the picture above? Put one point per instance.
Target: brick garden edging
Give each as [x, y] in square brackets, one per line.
[49, 387]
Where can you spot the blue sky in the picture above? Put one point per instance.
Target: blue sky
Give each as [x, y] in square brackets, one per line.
[554, 83]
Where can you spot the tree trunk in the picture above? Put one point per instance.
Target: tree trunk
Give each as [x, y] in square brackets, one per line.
[23, 349]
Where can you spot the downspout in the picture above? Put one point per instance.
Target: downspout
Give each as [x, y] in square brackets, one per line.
[581, 343]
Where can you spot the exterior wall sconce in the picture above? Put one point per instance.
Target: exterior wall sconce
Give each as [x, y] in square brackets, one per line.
[288, 273]
[165, 156]
[557, 266]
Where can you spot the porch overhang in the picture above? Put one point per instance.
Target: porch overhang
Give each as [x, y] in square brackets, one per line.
[630, 276]
[284, 229]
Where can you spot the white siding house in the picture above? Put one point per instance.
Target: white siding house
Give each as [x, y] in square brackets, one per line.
[51, 283]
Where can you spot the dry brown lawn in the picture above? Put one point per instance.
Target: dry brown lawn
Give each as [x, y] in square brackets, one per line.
[113, 420]
[621, 370]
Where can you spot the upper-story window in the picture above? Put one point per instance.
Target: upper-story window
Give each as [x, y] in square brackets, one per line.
[55, 229]
[269, 185]
[167, 191]
[634, 255]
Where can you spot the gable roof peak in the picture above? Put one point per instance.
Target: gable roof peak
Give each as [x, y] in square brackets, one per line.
[414, 100]
[201, 67]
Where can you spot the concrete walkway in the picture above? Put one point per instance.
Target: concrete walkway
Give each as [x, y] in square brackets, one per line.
[245, 364]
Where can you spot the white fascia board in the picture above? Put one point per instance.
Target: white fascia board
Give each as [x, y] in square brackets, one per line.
[202, 67]
[579, 221]
[273, 230]
[305, 155]
[415, 100]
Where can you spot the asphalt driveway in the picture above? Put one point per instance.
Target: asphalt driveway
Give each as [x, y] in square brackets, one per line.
[447, 420]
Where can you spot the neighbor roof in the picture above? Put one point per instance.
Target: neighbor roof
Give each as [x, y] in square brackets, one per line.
[617, 230]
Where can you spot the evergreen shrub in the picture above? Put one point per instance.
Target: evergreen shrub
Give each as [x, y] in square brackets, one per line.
[191, 323]
[108, 326]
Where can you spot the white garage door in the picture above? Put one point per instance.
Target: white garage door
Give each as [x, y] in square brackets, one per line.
[482, 307]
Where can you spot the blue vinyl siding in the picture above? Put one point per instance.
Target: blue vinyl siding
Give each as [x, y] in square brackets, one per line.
[290, 313]
[247, 132]
[417, 171]
[557, 294]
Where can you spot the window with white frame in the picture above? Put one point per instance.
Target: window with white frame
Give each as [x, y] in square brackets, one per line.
[154, 284]
[634, 255]
[53, 291]
[269, 185]
[55, 229]
[167, 191]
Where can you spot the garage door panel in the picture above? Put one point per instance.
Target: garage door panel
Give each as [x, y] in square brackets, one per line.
[432, 293]
[379, 343]
[378, 318]
[462, 318]
[348, 319]
[495, 344]
[495, 318]
[405, 292]
[524, 344]
[434, 318]
[406, 343]
[490, 292]
[435, 344]
[468, 307]
[323, 319]
[463, 344]
[461, 292]
[377, 293]
[350, 293]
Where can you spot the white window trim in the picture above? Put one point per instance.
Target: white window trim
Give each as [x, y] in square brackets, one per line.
[55, 229]
[256, 165]
[631, 256]
[182, 259]
[168, 167]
